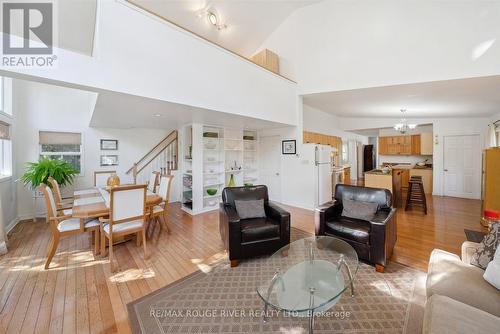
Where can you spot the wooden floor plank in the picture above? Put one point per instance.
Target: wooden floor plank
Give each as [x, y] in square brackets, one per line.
[79, 293]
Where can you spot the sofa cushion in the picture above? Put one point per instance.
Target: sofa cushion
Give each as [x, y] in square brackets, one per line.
[445, 315]
[257, 229]
[358, 210]
[449, 276]
[486, 249]
[492, 272]
[349, 228]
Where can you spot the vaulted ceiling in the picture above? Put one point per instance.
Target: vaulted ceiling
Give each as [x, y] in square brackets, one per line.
[249, 22]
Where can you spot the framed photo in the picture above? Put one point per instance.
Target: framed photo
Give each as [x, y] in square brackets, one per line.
[109, 160]
[289, 147]
[109, 144]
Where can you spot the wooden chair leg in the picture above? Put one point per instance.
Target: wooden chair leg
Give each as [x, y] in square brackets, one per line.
[167, 225]
[234, 263]
[137, 239]
[96, 241]
[111, 263]
[144, 244]
[103, 243]
[379, 268]
[52, 250]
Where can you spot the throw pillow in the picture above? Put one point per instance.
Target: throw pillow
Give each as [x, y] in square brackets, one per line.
[359, 210]
[486, 249]
[492, 273]
[250, 209]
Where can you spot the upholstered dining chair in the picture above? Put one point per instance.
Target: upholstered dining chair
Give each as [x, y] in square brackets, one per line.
[160, 212]
[127, 215]
[63, 205]
[154, 178]
[62, 225]
[101, 177]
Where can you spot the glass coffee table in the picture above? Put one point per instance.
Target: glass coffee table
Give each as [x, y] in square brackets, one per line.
[308, 277]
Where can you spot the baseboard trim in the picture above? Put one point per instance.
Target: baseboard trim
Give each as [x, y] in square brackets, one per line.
[12, 224]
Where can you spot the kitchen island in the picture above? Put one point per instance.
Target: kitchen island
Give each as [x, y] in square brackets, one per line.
[391, 181]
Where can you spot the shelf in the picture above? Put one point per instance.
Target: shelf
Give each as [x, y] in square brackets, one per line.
[212, 196]
[213, 185]
[189, 174]
[234, 171]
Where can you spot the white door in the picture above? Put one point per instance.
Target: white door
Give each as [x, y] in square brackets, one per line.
[462, 166]
[270, 165]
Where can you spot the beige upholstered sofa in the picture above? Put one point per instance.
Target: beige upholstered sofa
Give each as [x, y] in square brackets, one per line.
[459, 300]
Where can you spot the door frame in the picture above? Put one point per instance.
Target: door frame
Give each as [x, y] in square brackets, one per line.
[279, 138]
[443, 157]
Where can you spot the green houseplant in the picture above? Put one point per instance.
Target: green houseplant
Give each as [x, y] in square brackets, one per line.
[38, 172]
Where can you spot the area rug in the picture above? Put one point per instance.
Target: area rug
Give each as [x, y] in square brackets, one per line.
[225, 301]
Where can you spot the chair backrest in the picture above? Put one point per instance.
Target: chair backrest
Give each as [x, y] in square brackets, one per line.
[153, 181]
[101, 178]
[55, 189]
[127, 203]
[244, 193]
[164, 187]
[382, 197]
[50, 203]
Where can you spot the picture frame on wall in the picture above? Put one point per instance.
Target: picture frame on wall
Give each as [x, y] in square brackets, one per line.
[109, 144]
[289, 147]
[109, 160]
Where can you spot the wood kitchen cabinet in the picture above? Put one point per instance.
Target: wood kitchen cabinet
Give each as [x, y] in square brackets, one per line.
[420, 144]
[318, 138]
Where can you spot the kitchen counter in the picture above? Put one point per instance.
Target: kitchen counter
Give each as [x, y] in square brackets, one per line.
[391, 181]
[378, 172]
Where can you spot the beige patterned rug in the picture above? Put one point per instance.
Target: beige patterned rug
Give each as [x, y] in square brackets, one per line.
[224, 301]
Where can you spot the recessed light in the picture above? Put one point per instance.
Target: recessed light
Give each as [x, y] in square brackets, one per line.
[212, 18]
[157, 115]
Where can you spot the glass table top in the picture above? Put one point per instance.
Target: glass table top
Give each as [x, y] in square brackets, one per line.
[309, 274]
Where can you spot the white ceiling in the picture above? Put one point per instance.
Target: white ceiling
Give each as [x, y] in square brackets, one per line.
[123, 111]
[249, 22]
[474, 97]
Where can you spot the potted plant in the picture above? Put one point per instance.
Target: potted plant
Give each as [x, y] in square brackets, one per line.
[38, 172]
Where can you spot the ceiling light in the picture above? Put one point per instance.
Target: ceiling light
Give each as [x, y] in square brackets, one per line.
[212, 18]
[403, 127]
[157, 115]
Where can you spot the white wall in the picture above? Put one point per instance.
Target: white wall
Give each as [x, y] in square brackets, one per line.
[138, 54]
[349, 44]
[46, 107]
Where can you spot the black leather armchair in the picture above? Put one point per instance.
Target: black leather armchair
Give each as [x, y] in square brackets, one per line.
[373, 240]
[245, 238]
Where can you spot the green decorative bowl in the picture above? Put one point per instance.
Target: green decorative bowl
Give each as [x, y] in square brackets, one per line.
[211, 191]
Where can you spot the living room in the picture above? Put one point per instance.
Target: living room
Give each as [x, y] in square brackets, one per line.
[233, 167]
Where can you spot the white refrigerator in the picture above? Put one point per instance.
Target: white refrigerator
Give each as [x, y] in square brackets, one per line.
[323, 163]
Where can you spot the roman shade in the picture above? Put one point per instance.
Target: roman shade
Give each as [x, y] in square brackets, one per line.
[4, 131]
[52, 138]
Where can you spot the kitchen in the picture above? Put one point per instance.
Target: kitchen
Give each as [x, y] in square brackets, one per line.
[399, 157]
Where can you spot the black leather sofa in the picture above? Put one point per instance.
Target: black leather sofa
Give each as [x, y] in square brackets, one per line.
[245, 238]
[373, 240]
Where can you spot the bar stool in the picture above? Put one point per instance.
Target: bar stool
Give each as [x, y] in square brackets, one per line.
[416, 194]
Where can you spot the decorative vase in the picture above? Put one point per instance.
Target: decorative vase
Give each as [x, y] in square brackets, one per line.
[232, 182]
[113, 180]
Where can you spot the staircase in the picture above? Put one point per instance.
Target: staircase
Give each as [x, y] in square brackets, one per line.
[162, 158]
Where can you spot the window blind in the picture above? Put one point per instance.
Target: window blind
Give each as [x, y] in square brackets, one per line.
[52, 137]
[4, 131]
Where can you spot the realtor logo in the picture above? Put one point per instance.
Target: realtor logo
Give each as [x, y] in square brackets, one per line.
[28, 34]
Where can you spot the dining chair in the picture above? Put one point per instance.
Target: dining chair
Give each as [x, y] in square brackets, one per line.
[160, 212]
[154, 178]
[127, 215]
[62, 225]
[101, 178]
[63, 205]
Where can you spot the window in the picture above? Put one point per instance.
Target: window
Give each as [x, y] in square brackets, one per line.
[345, 153]
[5, 151]
[62, 145]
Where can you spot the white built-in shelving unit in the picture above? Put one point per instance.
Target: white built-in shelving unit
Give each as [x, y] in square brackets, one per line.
[212, 155]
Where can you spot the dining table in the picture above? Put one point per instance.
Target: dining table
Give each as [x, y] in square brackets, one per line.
[94, 203]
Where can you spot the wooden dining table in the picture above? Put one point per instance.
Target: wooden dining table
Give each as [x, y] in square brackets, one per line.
[94, 203]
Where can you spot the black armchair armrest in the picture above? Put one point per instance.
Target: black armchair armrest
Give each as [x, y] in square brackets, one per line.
[383, 216]
[281, 217]
[322, 213]
[230, 229]
[383, 235]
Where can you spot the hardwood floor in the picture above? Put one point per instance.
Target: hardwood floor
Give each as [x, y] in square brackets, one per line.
[79, 294]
